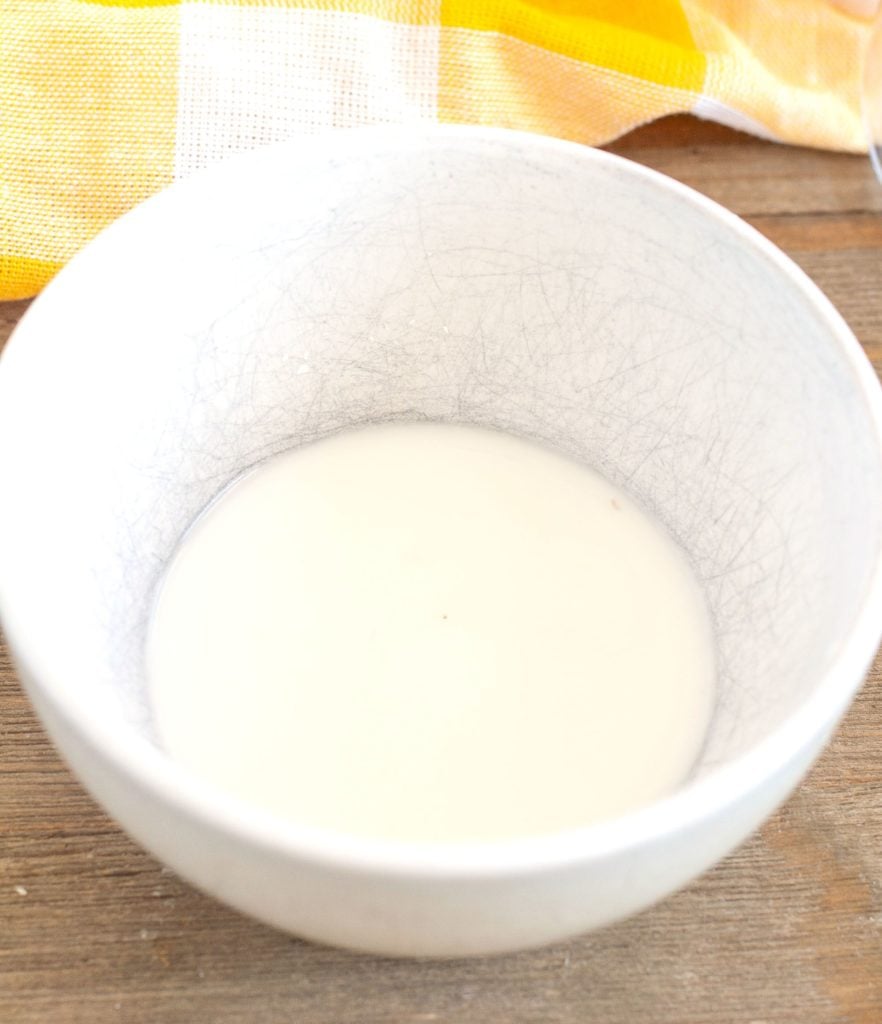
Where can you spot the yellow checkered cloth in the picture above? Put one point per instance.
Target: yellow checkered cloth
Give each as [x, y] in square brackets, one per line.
[102, 102]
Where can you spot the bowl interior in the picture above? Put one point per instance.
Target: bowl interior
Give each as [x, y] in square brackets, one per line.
[492, 279]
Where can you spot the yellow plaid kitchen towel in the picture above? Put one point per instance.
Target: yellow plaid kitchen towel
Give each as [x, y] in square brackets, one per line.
[102, 102]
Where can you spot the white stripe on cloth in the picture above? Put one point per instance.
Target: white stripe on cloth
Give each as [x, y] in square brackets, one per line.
[254, 75]
[714, 110]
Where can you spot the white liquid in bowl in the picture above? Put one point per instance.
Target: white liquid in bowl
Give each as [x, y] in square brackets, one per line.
[434, 633]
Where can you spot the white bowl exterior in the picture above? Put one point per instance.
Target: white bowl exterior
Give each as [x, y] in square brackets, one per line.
[395, 913]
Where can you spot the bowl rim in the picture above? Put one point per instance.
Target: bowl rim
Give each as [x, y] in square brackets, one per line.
[713, 794]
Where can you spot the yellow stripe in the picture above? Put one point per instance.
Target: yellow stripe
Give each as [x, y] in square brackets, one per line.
[646, 40]
[20, 277]
[132, 3]
[794, 66]
[89, 96]
[488, 79]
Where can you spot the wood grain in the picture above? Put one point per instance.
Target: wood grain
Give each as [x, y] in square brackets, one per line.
[787, 929]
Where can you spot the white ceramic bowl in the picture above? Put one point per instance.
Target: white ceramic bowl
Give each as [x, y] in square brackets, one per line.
[463, 275]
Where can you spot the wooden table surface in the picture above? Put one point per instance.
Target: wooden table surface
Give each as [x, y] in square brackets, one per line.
[788, 929]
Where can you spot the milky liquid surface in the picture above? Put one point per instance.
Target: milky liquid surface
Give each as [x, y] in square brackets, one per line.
[426, 632]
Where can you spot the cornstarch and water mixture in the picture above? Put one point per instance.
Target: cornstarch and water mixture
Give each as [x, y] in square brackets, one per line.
[426, 632]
